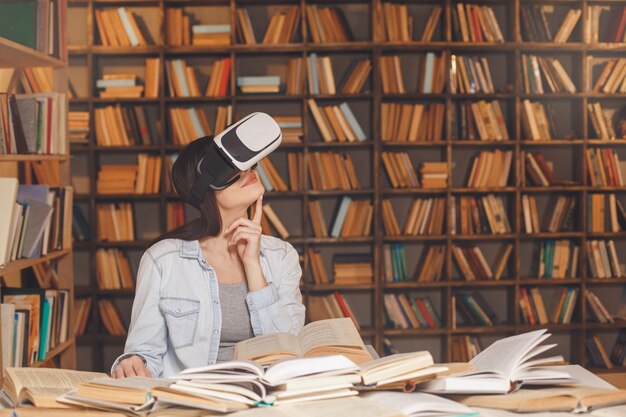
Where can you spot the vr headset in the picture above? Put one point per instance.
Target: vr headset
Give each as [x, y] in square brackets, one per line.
[236, 149]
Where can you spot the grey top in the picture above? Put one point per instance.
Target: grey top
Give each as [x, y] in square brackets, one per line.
[236, 324]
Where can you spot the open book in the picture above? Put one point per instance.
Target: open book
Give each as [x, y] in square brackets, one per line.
[419, 404]
[42, 386]
[323, 337]
[398, 370]
[504, 367]
[593, 392]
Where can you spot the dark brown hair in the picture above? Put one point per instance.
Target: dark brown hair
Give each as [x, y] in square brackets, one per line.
[184, 176]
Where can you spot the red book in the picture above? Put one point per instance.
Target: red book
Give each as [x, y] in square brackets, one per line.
[345, 308]
[223, 90]
[478, 35]
[420, 304]
[618, 35]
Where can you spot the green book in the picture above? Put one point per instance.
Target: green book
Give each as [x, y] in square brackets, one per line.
[18, 22]
[45, 330]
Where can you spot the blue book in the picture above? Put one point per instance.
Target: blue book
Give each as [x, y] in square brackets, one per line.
[354, 124]
[313, 70]
[548, 259]
[182, 77]
[290, 125]
[45, 329]
[429, 67]
[258, 80]
[341, 217]
[197, 126]
[264, 178]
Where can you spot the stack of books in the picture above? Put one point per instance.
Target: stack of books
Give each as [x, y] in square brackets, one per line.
[434, 174]
[119, 126]
[616, 31]
[282, 27]
[113, 271]
[336, 123]
[394, 261]
[472, 263]
[472, 310]
[327, 25]
[537, 123]
[474, 23]
[270, 178]
[115, 222]
[564, 310]
[431, 264]
[352, 269]
[469, 75]
[412, 122]
[219, 79]
[602, 122]
[331, 306]
[560, 219]
[597, 311]
[486, 214]
[464, 348]
[400, 170]
[532, 307]
[259, 84]
[353, 219]
[78, 126]
[490, 169]
[119, 86]
[558, 259]
[555, 76]
[596, 355]
[118, 27]
[603, 259]
[24, 132]
[410, 312]
[117, 179]
[332, 171]
[604, 168]
[612, 78]
[535, 27]
[111, 318]
[33, 219]
[320, 74]
[210, 35]
[291, 128]
[177, 27]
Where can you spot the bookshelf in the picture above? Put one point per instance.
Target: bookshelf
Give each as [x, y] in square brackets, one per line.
[56, 262]
[89, 60]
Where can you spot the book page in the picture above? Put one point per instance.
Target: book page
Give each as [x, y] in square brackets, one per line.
[267, 344]
[350, 406]
[505, 355]
[332, 332]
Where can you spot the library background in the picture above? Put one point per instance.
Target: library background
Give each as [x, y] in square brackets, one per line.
[451, 173]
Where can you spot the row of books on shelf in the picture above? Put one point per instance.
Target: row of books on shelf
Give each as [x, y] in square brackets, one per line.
[109, 316]
[412, 122]
[331, 306]
[281, 28]
[468, 75]
[143, 178]
[538, 70]
[190, 123]
[348, 269]
[393, 23]
[536, 28]
[604, 167]
[35, 220]
[486, 214]
[113, 270]
[120, 126]
[471, 309]
[396, 24]
[603, 259]
[33, 123]
[352, 218]
[560, 217]
[336, 123]
[410, 312]
[34, 321]
[533, 310]
[332, 171]
[607, 124]
[474, 266]
[612, 78]
[182, 80]
[32, 80]
[426, 217]
[320, 75]
[271, 179]
[605, 213]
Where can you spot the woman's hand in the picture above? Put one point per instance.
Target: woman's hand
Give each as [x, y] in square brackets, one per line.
[131, 366]
[247, 236]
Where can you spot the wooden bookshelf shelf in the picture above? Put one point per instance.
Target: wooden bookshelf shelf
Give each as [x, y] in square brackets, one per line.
[20, 265]
[53, 353]
[567, 152]
[24, 158]
[12, 53]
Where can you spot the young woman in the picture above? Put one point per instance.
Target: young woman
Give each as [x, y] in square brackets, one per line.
[210, 283]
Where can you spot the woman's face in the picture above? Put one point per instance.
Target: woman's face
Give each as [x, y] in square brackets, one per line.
[242, 193]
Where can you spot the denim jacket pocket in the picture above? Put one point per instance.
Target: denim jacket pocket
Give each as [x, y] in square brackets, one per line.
[181, 315]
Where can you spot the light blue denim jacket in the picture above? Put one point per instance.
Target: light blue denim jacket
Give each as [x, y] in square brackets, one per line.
[176, 317]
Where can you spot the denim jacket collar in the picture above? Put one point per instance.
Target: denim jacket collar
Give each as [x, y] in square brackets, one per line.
[191, 249]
